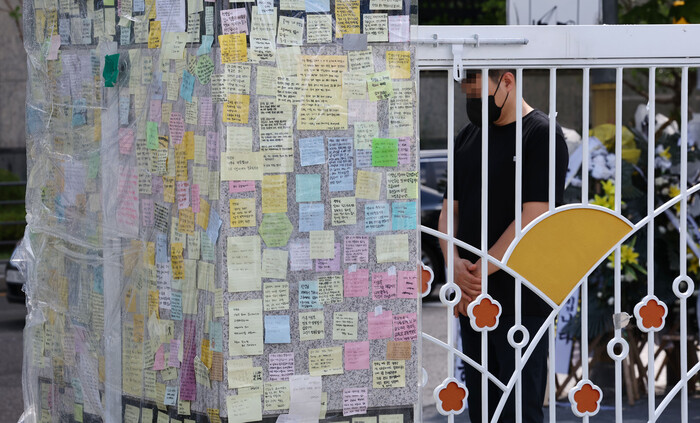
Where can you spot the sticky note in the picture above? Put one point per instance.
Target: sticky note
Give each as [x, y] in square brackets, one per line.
[345, 325]
[398, 350]
[244, 408]
[321, 244]
[276, 296]
[407, 284]
[385, 152]
[308, 295]
[354, 401]
[326, 361]
[276, 396]
[245, 327]
[347, 16]
[356, 249]
[280, 365]
[377, 217]
[243, 263]
[357, 355]
[380, 326]
[110, 73]
[343, 210]
[392, 248]
[330, 289]
[356, 283]
[402, 185]
[233, 48]
[388, 374]
[403, 216]
[330, 265]
[368, 185]
[383, 286]
[375, 26]
[308, 187]
[398, 63]
[311, 217]
[277, 330]
[311, 326]
[379, 86]
[274, 194]
[275, 229]
[274, 263]
[405, 327]
[242, 212]
[340, 164]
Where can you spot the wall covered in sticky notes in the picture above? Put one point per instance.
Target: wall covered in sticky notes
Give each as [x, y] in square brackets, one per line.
[221, 209]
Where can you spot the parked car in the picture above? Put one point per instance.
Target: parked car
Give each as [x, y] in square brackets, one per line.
[14, 282]
[433, 180]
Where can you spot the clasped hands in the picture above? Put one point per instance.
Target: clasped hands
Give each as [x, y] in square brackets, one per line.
[467, 276]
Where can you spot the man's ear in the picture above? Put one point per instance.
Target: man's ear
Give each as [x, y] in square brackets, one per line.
[508, 81]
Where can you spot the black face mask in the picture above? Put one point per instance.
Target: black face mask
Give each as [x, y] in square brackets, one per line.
[474, 107]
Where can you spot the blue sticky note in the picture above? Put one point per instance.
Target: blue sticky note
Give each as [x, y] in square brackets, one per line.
[187, 86]
[277, 330]
[98, 280]
[205, 48]
[170, 395]
[340, 164]
[214, 225]
[139, 6]
[79, 112]
[377, 217]
[308, 187]
[216, 333]
[403, 216]
[308, 295]
[318, 6]
[176, 305]
[363, 159]
[311, 217]
[312, 151]
[161, 248]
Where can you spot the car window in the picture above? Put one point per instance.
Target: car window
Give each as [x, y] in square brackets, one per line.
[433, 173]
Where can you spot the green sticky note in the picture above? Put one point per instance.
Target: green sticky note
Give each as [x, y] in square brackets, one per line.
[152, 135]
[385, 152]
[275, 229]
[111, 69]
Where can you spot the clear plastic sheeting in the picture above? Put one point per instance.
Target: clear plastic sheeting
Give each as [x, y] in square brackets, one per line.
[222, 211]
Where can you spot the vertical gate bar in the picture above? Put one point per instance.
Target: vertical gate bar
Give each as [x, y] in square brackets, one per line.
[518, 229]
[552, 175]
[683, 247]
[450, 224]
[618, 209]
[584, 201]
[484, 233]
[651, 153]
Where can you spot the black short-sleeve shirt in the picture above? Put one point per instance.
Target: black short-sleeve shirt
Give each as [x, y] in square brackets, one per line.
[501, 185]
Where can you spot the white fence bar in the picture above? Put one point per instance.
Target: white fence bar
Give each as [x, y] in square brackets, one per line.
[518, 230]
[551, 160]
[585, 105]
[651, 155]
[484, 232]
[682, 247]
[618, 255]
[450, 230]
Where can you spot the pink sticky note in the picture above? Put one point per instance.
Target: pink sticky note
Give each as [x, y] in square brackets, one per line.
[241, 186]
[177, 128]
[399, 29]
[234, 21]
[206, 117]
[354, 401]
[195, 198]
[404, 150]
[329, 265]
[407, 284]
[159, 361]
[280, 366]
[154, 113]
[188, 388]
[182, 193]
[212, 146]
[356, 355]
[299, 259]
[380, 326]
[356, 249]
[383, 286]
[157, 185]
[126, 140]
[173, 360]
[405, 327]
[356, 284]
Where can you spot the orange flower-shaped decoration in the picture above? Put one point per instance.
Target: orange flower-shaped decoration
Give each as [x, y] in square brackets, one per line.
[484, 312]
[450, 397]
[585, 399]
[651, 314]
[426, 279]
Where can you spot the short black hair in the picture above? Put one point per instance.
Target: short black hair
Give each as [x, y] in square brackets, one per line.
[494, 74]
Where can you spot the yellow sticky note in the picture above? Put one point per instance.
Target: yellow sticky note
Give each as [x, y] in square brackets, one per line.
[322, 244]
[154, 35]
[245, 328]
[326, 361]
[345, 325]
[234, 48]
[330, 289]
[391, 418]
[237, 108]
[242, 212]
[243, 263]
[311, 326]
[186, 221]
[398, 63]
[244, 408]
[347, 17]
[402, 185]
[174, 45]
[241, 166]
[276, 296]
[344, 211]
[274, 264]
[388, 374]
[276, 395]
[245, 377]
[368, 185]
[274, 194]
[392, 248]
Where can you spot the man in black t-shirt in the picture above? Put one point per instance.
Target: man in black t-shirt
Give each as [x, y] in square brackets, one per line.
[501, 232]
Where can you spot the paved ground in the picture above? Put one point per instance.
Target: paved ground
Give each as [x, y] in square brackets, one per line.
[434, 362]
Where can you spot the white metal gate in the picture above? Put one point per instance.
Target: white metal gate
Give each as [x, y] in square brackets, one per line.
[584, 48]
